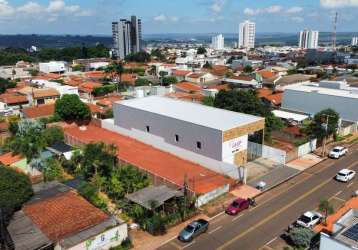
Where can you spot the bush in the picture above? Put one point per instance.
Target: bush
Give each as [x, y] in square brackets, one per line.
[142, 82]
[89, 192]
[15, 190]
[106, 89]
[71, 108]
[301, 237]
[52, 170]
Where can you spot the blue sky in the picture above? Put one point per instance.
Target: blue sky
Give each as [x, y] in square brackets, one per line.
[174, 16]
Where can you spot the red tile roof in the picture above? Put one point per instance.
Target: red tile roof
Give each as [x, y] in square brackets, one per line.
[39, 111]
[12, 99]
[187, 86]
[196, 75]
[181, 72]
[4, 126]
[268, 94]
[8, 158]
[220, 87]
[129, 78]
[108, 101]
[95, 108]
[95, 74]
[150, 159]
[89, 86]
[293, 130]
[64, 215]
[242, 78]
[267, 74]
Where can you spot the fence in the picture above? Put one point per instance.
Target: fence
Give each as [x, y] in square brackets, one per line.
[256, 150]
[307, 148]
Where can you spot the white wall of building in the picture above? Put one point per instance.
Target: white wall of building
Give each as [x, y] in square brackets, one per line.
[308, 39]
[247, 31]
[218, 42]
[327, 243]
[52, 67]
[355, 41]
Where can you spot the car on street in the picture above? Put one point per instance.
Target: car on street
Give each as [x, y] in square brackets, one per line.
[237, 206]
[338, 152]
[193, 230]
[309, 219]
[345, 175]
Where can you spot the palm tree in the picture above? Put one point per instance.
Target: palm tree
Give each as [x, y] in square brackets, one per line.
[110, 69]
[325, 207]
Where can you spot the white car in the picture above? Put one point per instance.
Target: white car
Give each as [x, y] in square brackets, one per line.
[309, 219]
[345, 175]
[337, 152]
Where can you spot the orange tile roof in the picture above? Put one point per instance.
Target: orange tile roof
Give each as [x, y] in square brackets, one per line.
[129, 78]
[181, 72]
[95, 74]
[187, 86]
[220, 87]
[4, 126]
[187, 96]
[53, 76]
[64, 215]
[108, 101]
[264, 92]
[196, 75]
[267, 74]
[351, 204]
[219, 70]
[95, 108]
[242, 78]
[150, 159]
[9, 158]
[275, 98]
[89, 86]
[39, 111]
[13, 98]
[40, 93]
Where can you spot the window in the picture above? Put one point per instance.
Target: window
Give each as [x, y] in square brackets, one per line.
[198, 144]
[176, 138]
[148, 128]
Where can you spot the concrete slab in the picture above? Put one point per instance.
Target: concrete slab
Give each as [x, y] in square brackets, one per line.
[305, 162]
[260, 167]
[275, 177]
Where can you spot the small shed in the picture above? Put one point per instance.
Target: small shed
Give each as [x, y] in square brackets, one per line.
[157, 195]
[61, 149]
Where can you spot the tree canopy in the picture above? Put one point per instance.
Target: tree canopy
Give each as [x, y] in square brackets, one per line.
[201, 51]
[140, 57]
[166, 81]
[246, 101]
[71, 108]
[318, 127]
[15, 190]
[6, 84]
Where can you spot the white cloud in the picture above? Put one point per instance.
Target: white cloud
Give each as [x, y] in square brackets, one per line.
[160, 18]
[338, 3]
[269, 10]
[217, 5]
[174, 19]
[294, 10]
[72, 8]
[30, 8]
[6, 9]
[297, 19]
[56, 6]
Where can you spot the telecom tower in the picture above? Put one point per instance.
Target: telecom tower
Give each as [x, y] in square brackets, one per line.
[334, 37]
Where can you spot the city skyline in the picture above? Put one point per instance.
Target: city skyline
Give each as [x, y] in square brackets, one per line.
[159, 16]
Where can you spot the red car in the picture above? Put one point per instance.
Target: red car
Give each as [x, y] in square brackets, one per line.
[237, 206]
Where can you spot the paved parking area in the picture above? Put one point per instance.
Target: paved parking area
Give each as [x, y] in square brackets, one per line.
[260, 167]
[305, 162]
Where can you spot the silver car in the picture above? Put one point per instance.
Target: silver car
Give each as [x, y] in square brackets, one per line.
[194, 229]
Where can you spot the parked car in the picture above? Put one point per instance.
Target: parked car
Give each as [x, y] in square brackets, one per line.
[237, 206]
[345, 175]
[337, 152]
[309, 219]
[193, 230]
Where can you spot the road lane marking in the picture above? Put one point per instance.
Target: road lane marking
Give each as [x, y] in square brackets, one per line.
[270, 217]
[215, 216]
[350, 184]
[339, 199]
[214, 230]
[237, 217]
[175, 245]
[338, 193]
[268, 243]
[190, 244]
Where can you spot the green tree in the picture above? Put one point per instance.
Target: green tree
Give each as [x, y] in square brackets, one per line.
[169, 80]
[142, 82]
[326, 208]
[301, 237]
[6, 84]
[318, 127]
[15, 190]
[248, 69]
[141, 57]
[207, 65]
[52, 170]
[201, 51]
[78, 67]
[157, 53]
[71, 108]
[208, 101]
[247, 101]
[119, 71]
[53, 135]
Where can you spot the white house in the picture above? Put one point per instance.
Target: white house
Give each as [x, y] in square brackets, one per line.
[53, 67]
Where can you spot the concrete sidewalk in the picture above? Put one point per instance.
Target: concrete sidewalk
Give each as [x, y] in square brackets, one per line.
[144, 241]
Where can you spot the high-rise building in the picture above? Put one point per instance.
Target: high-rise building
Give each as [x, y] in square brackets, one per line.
[355, 41]
[308, 39]
[218, 42]
[247, 35]
[127, 37]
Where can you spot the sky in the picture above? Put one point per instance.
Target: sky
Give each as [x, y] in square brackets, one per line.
[174, 16]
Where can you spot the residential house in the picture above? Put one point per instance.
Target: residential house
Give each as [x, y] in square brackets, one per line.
[66, 220]
[181, 74]
[272, 98]
[242, 81]
[39, 96]
[37, 112]
[201, 77]
[267, 77]
[11, 102]
[86, 89]
[187, 87]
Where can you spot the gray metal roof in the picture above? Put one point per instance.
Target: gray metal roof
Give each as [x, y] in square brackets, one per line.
[158, 194]
[195, 113]
[25, 234]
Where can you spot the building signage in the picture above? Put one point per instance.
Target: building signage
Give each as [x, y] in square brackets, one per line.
[235, 145]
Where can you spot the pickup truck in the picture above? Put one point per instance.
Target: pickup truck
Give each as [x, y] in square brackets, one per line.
[193, 230]
[309, 219]
[337, 152]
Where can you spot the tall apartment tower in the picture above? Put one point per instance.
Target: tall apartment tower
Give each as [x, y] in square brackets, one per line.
[127, 37]
[218, 42]
[247, 35]
[308, 39]
[355, 41]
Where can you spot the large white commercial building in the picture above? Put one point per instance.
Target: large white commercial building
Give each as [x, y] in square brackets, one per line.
[308, 39]
[355, 41]
[127, 36]
[52, 67]
[214, 133]
[311, 98]
[218, 42]
[247, 33]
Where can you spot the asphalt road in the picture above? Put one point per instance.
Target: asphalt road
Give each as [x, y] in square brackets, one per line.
[276, 209]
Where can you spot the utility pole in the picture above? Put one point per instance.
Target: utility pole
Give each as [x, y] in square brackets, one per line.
[325, 127]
